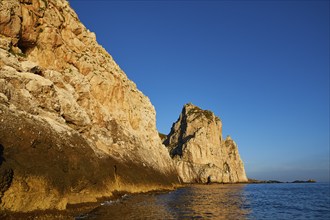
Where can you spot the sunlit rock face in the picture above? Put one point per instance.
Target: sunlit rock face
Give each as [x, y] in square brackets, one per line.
[73, 126]
[200, 153]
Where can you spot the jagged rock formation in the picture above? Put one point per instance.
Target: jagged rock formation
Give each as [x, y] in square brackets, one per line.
[199, 151]
[73, 127]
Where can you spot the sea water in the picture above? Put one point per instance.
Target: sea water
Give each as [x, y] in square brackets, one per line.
[223, 201]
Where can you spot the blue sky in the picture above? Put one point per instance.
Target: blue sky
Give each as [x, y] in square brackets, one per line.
[262, 66]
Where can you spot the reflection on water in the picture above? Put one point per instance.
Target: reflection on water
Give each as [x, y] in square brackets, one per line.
[211, 201]
[254, 201]
[193, 202]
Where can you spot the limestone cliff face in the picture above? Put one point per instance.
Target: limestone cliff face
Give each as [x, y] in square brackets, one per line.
[73, 126]
[199, 151]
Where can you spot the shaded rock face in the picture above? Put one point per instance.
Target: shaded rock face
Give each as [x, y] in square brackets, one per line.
[199, 151]
[73, 126]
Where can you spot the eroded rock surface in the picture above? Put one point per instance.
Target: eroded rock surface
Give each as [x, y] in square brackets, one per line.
[199, 151]
[73, 127]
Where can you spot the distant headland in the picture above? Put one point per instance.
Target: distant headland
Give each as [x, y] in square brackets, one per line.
[276, 181]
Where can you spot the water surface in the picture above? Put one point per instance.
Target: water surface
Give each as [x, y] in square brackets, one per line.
[218, 201]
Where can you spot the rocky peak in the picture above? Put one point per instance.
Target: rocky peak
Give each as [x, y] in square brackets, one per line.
[192, 121]
[195, 143]
[192, 111]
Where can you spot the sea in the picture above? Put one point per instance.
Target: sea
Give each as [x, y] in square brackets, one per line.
[222, 201]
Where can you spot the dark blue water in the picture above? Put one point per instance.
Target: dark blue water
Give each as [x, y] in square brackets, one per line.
[288, 201]
[217, 201]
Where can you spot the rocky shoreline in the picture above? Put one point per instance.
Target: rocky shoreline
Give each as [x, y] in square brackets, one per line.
[76, 210]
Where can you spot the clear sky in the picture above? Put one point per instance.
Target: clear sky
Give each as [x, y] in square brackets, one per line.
[262, 66]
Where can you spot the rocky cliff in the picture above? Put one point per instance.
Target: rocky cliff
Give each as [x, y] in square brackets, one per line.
[73, 127]
[199, 151]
